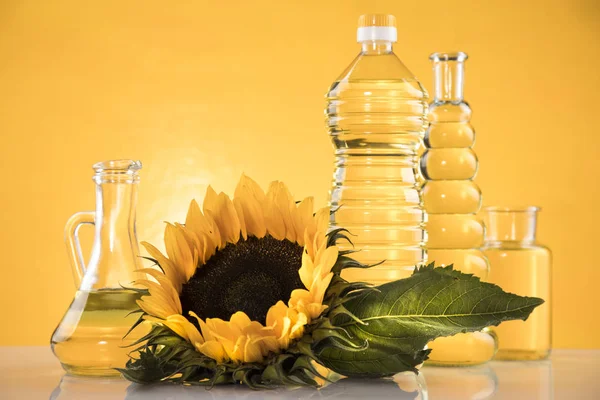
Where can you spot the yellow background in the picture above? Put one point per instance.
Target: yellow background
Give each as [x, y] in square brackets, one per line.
[201, 91]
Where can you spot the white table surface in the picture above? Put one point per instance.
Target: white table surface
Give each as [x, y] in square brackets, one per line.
[34, 373]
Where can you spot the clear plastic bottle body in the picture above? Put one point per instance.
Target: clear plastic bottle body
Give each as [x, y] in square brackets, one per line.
[520, 265]
[89, 340]
[452, 200]
[376, 116]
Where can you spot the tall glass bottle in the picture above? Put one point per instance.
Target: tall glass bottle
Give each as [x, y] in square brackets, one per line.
[89, 338]
[376, 117]
[520, 265]
[452, 200]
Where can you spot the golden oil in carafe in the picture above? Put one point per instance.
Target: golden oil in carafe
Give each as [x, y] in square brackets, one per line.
[452, 200]
[520, 265]
[89, 340]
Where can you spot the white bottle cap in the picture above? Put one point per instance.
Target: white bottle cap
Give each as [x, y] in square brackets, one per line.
[373, 27]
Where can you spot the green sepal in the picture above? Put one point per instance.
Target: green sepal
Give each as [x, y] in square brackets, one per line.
[166, 357]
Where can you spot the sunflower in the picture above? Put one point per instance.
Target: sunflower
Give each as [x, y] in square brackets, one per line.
[242, 278]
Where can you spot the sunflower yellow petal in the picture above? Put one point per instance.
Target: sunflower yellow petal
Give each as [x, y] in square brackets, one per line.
[161, 295]
[152, 307]
[237, 204]
[306, 271]
[191, 332]
[240, 321]
[249, 186]
[195, 220]
[213, 350]
[229, 346]
[227, 208]
[320, 287]
[204, 328]
[315, 309]
[309, 245]
[285, 203]
[175, 275]
[223, 330]
[284, 338]
[327, 259]
[226, 218]
[251, 199]
[276, 312]
[297, 330]
[274, 222]
[180, 252]
[322, 219]
[210, 200]
[178, 329]
[300, 296]
[252, 350]
[320, 244]
[166, 285]
[205, 229]
[268, 344]
[303, 219]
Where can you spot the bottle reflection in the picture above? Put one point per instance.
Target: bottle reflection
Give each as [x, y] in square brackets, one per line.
[524, 379]
[405, 386]
[497, 379]
[76, 388]
[472, 383]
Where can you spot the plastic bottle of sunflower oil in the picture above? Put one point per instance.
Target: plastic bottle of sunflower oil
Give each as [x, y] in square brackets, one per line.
[452, 200]
[376, 117]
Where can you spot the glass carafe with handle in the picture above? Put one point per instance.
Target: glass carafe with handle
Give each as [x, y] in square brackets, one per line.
[89, 340]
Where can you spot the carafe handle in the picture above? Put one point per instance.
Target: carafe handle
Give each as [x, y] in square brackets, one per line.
[73, 244]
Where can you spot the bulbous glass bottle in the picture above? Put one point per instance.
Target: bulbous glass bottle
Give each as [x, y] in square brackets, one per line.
[452, 200]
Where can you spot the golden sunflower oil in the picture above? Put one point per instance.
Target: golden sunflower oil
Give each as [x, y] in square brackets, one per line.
[89, 339]
[520, 265]
[452, 200]
[376, 117]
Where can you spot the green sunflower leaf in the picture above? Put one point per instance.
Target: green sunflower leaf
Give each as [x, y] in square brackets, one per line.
[401, 317]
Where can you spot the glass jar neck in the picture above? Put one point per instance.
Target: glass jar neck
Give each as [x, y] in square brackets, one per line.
[116, 197]
[376, 47]
[448, 76]
[115, 253]
[115, 207]
[505, 225]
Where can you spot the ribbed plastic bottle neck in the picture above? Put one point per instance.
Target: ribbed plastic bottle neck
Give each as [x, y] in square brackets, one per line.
[376, 47]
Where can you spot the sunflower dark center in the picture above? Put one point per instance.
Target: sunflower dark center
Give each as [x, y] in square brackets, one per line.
[250, 276]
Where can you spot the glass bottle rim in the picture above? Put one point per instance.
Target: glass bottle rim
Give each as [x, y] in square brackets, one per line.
[122, 165]
[521, 209]
[449, 56]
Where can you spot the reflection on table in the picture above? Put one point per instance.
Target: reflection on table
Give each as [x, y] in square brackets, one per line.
[405, 386]
[498, 380]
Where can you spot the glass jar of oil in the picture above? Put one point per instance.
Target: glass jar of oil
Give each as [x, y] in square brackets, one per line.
[89, 340]
[520, 265]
